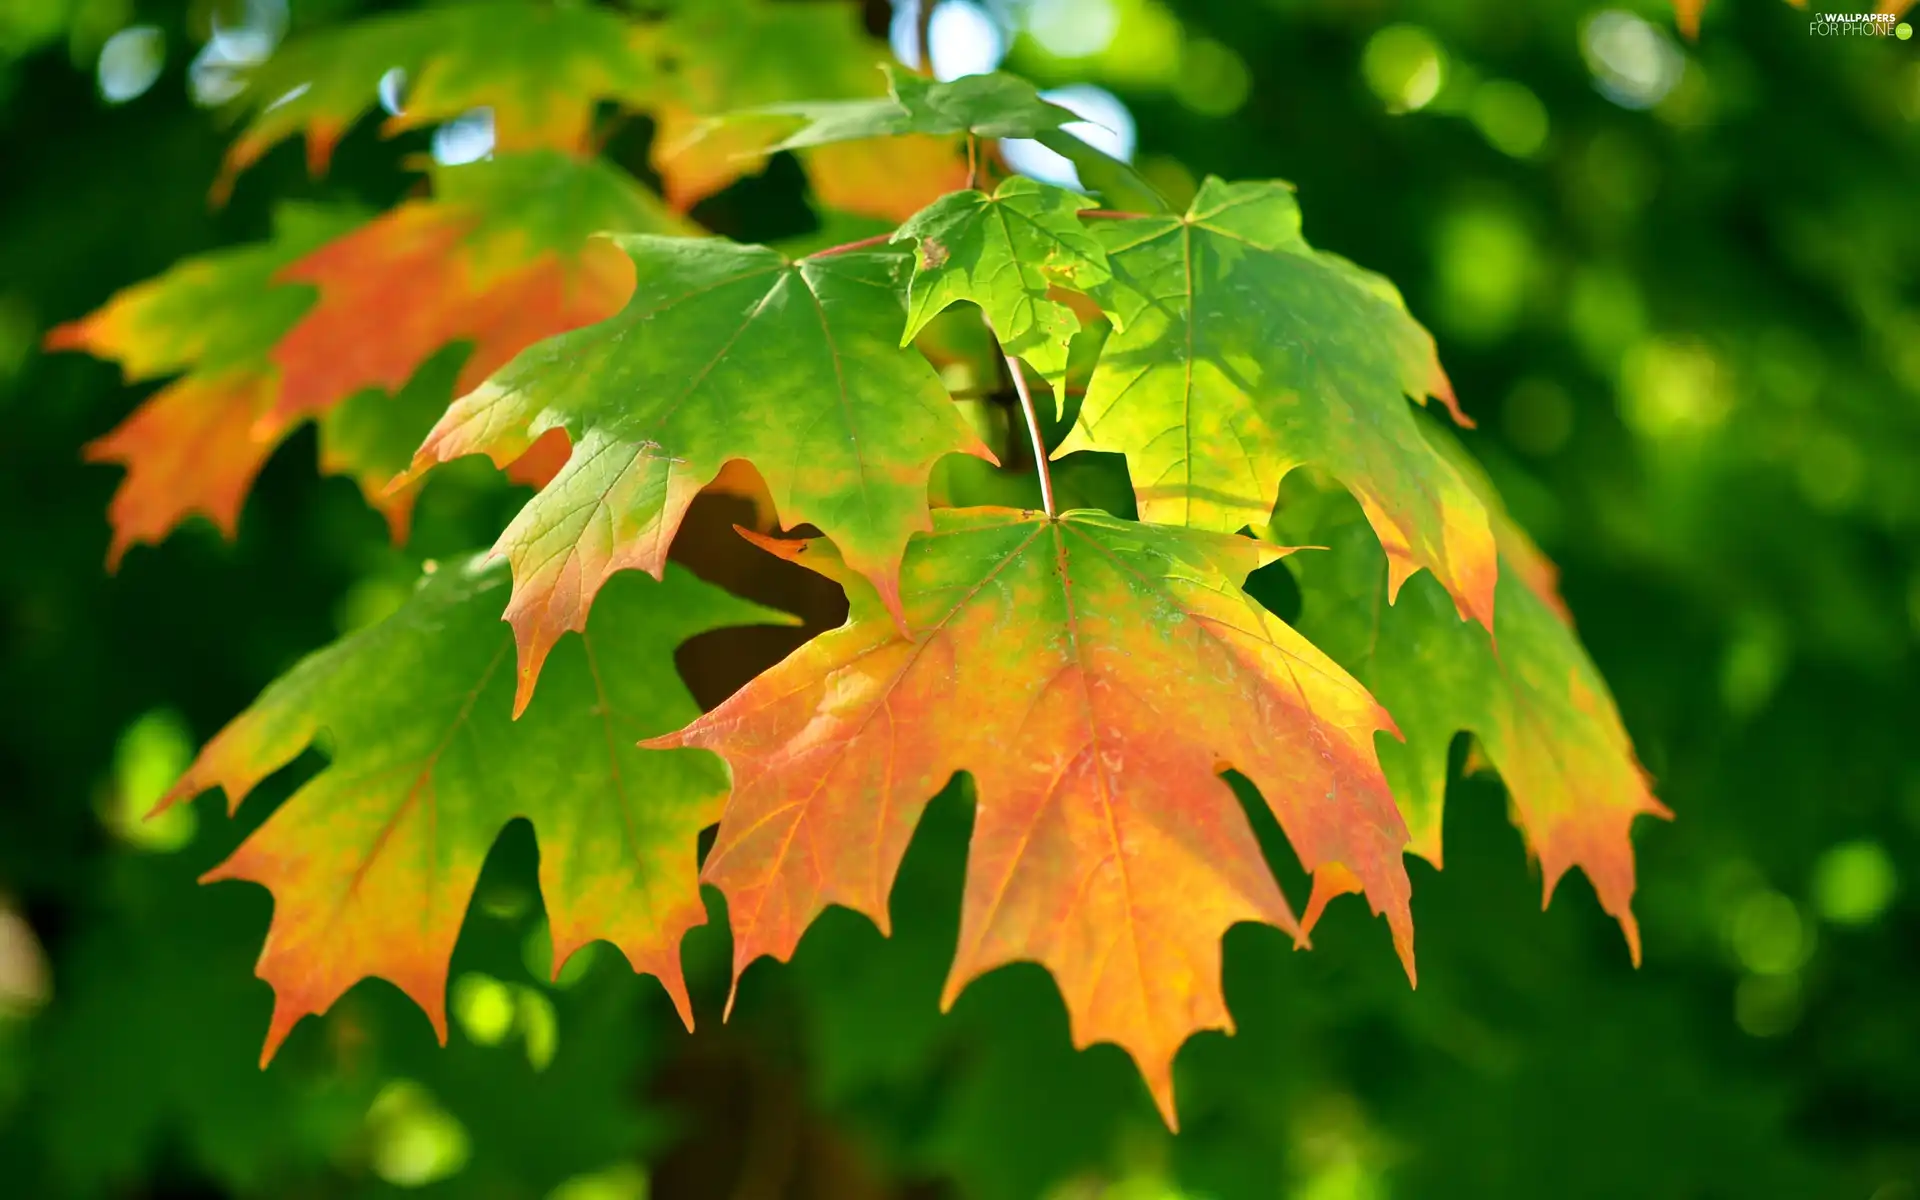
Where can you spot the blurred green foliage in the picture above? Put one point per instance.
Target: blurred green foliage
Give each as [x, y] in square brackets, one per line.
[1678, 286]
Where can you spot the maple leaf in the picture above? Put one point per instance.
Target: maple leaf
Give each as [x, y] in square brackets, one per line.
[723, 352]
[1004, 252]
[500, 258]
[1241, 353]
[372, 861]
[732, 53]
[982, 106]
[1095, 676]
[538, 68]
[196, 445]
[496, 259]
[304, 326]
[1537, 704]
[996, 105]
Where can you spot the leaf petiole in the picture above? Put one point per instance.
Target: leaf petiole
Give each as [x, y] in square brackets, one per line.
[877, 239]
[1033, 421]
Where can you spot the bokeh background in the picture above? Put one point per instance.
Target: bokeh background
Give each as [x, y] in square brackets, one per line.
[1676, 283]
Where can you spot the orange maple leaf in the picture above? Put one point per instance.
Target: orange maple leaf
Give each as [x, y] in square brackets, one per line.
[317, 319]
[190, 449]
[1094, 676]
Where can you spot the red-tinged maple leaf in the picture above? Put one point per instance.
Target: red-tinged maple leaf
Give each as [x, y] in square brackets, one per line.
[500, 258]
[1095, 676]
[337, 325]
[196, 445]
[723, 352]
[539, 69]
[1241, 353]
[190, 449]
[372, 862]
[742, 53]
[1536, 705]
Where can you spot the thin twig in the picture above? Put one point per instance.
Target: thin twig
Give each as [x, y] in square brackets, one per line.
[1110, 214]
[1040, 464]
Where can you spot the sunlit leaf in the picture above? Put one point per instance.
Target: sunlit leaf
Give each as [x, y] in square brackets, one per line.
[195, 446]
[372, 862]
[1095, 676]
[500, 258]
[1537, 705]
[1004, 252]
[1244, 353]
[989, 106]
[724, 351]
[305, 325]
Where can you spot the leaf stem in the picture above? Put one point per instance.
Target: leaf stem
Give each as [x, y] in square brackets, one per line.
[1110, 214]
[849, 247]
[1020, 388]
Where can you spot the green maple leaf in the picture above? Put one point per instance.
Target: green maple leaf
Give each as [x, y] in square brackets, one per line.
[539, 68]
[1537, 705]
[989, 106]
[1004, 252]
[371, 863]
[997, 105]
[1095, 676]
[724, 351]
[1242, 353]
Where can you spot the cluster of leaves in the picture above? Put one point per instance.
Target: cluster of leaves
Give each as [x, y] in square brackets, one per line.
[1093, 673]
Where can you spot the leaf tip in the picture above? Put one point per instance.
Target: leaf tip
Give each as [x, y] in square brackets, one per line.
[788, 548]
[285, 1016]
[1630, 929]
[1441, 388]
[68, 335]
[1330, 879]
[1161, 1089]
[523, 689]
[679, 739]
